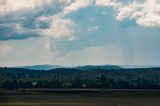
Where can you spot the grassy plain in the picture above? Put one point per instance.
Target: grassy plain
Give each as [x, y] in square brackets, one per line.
[106, 98]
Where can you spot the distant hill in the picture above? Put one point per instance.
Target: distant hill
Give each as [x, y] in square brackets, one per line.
[40, 67]
[87, 67]
[138, 66]
[103, 67]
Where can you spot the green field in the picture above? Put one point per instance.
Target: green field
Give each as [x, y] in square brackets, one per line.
[109, 98]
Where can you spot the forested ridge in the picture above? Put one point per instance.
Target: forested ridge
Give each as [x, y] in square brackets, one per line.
[138, 78]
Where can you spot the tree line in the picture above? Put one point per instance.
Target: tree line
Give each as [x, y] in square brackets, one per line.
[73, 78]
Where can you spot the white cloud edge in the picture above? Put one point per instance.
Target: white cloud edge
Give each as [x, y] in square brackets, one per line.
[145, 13]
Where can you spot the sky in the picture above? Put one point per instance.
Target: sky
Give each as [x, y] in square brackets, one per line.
[79, 32]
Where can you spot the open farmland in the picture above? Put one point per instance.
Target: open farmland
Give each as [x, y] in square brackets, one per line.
[105, 98]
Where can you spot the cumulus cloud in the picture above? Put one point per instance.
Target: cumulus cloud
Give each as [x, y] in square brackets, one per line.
[113, 3]
[38, 17]
[59, 28]
[19, 6]
[77, 4]
[17, 19]
[42, 18]
[144, 12]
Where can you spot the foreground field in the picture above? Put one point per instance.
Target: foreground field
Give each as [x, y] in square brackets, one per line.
[110, 98]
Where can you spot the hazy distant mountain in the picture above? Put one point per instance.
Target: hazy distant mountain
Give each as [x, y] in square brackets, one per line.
[103, 67]
[138, 66]
[41, 67]
[87, 67]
